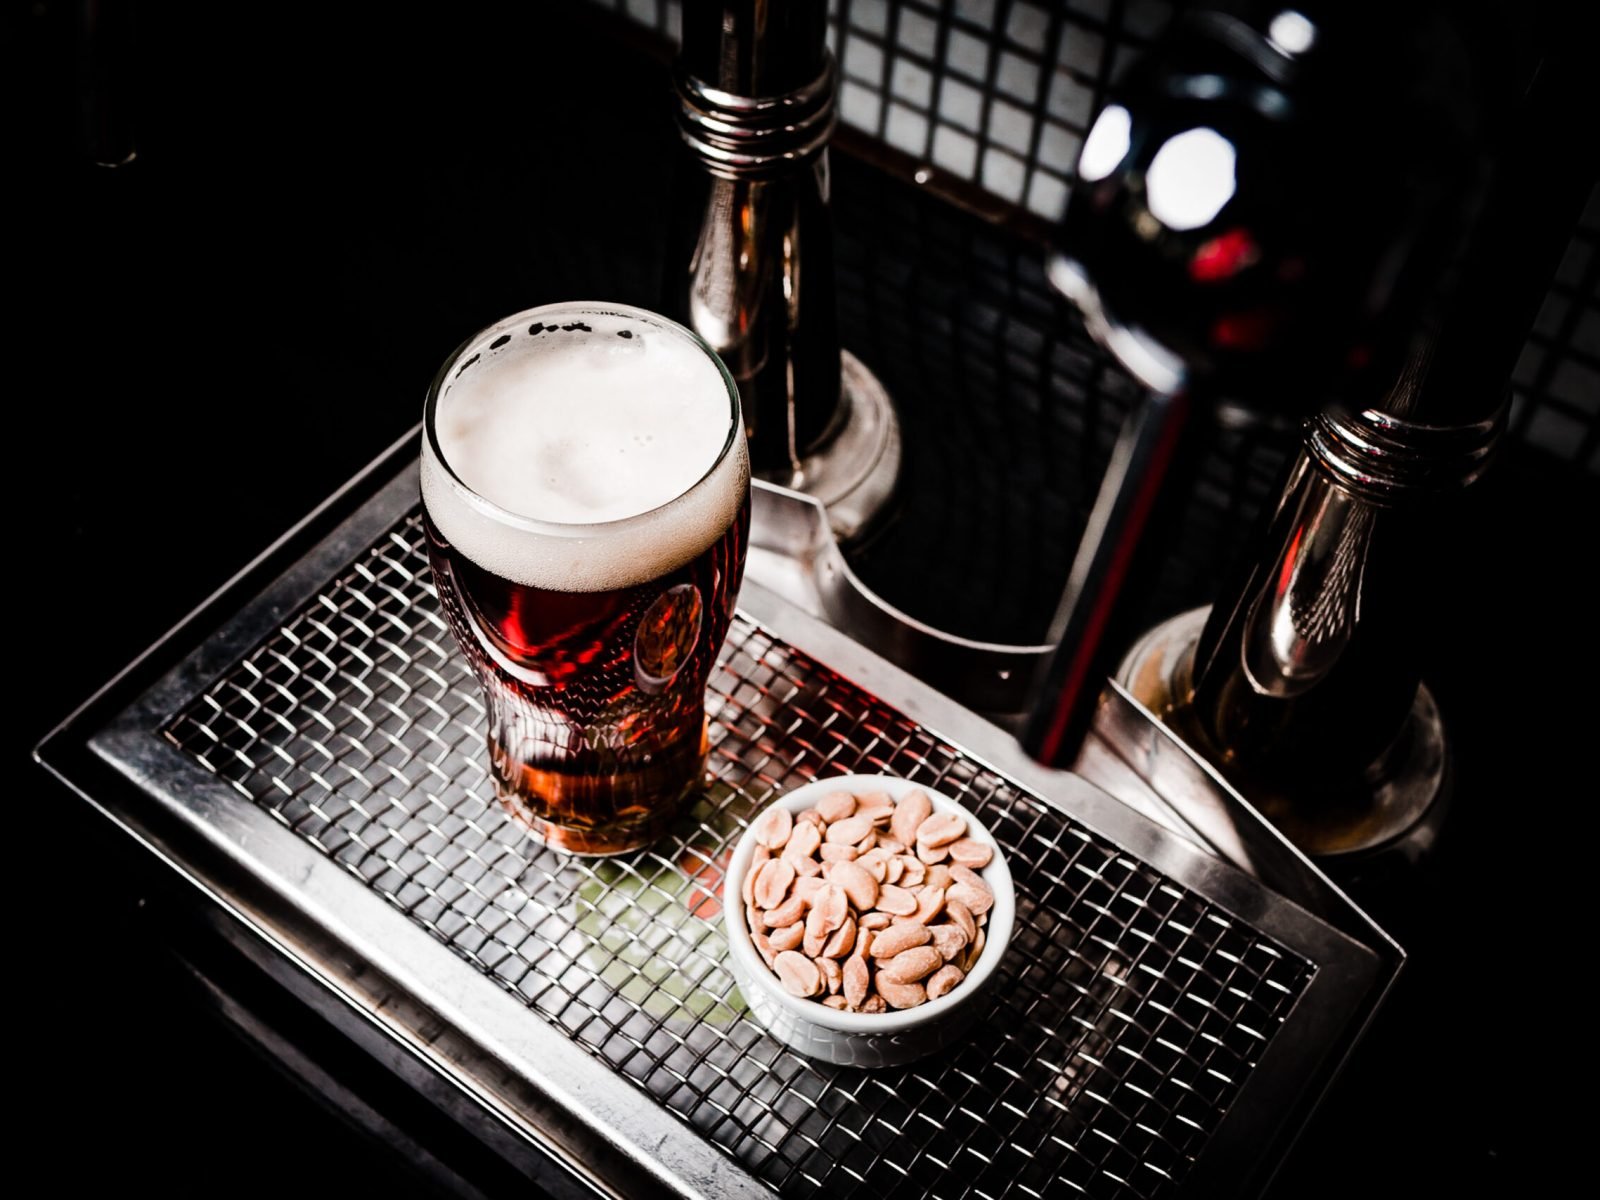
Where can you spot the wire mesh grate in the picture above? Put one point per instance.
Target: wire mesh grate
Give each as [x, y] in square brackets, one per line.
[1129, 1013]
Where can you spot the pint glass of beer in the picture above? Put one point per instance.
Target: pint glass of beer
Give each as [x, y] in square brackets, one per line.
[586, 492]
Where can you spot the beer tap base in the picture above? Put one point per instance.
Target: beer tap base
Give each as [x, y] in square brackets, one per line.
[1391, 813]
[855, 472]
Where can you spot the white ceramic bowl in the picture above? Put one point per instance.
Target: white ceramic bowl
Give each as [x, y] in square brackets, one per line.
[866, 1039]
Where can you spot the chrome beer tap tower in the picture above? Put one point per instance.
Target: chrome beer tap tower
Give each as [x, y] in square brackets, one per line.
[1336, 214]
[757, 92]
[1291, 210]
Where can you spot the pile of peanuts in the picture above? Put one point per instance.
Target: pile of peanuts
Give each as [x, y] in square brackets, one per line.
[867, 904]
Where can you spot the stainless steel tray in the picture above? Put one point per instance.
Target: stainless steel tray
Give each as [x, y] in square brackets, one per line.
[311, 757]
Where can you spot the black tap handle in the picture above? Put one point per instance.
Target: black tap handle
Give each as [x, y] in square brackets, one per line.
[1140, 496]
[1261, 211]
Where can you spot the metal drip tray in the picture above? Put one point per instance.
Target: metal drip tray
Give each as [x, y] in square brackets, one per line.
[314, 762]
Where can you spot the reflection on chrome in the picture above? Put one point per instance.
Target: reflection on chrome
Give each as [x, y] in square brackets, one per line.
[1107, 144]
[1146, 359]
[1190, 179]
[1292, 33]
[1201, 87]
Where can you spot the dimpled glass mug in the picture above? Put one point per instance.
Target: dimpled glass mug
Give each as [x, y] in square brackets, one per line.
[586, 494]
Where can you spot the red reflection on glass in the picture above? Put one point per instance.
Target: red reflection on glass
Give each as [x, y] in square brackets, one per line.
[1224, 256]
[1249, 330]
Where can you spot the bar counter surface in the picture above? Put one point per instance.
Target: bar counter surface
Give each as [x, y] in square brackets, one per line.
[219, 334]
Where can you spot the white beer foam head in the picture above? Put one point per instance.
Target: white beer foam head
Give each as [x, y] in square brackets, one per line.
[579, 447]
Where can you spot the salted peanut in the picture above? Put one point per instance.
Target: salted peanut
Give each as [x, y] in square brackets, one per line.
[856, 981]
[867, 843]
[760, 858]
[841, 941]
[836, 806]
[977, 900]
[960, 915]
[811, 817]
[805, 866]
[788, 937]
[899, 938]
[930, 903]
[803, 841]
[773, 884]
[764, 948]
[909, 966]
[939, 876]
[848, 831]
[972, 892]
[773, 830]
[929, 855]
[817, 933]
[942, 980]
[807, 887]
[798, 974]
[973, 952]
[864, 938]
[897, 901]
[837, 1002]
[900, 995]
[913, 872]
[969, 877]
[949, 940]
[832, 974]
[857, 883]
[913, 809]
[895, 870]
[835, 854]
[876, 862]
[875, 920]
[791, 910]
[874, 1004]
[970, 853]
[941, 829]
[832, 902]
[893, 845]
[875, 806]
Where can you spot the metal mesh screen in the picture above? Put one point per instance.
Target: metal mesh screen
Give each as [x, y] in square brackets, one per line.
[1129, 1012]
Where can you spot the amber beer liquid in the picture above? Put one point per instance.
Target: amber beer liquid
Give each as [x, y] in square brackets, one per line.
[585, 487]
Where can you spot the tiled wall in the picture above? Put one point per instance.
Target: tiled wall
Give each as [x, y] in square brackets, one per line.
[997, 95]
[1556, 386]
[994, 92]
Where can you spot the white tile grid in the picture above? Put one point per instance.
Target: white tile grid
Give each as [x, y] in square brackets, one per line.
[934, 107]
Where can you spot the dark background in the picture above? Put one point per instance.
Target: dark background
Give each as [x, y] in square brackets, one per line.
[215, 336]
